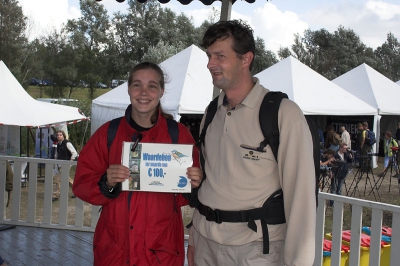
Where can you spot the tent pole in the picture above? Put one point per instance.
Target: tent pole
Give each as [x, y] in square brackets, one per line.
[226, 9]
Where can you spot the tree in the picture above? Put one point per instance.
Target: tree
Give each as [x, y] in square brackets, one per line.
[263, 58]
[162, 52]
[13, 42]
[389, 56]
[331, 54]
[89, 37]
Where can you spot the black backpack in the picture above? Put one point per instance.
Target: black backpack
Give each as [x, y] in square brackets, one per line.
[112, 129]
[268, 118]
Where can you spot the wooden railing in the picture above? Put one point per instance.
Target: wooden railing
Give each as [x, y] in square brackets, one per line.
[31, 205]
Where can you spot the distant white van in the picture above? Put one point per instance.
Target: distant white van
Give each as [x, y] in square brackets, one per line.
[117, 82]
[58, 101]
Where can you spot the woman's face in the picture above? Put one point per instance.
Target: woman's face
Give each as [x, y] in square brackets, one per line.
[145, 92]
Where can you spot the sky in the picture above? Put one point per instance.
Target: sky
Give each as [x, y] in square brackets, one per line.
[275, 21]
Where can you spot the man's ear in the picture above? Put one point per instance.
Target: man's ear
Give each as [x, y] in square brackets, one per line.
[247, 59]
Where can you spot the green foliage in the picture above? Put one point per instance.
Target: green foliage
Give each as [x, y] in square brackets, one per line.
[13, 42]
[263, 58]
[389, 56]
[331, 54]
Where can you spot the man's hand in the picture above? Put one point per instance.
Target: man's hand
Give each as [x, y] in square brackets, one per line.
[190, 255]
[195, 174]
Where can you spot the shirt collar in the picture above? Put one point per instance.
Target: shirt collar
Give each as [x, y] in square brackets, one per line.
[252, 98]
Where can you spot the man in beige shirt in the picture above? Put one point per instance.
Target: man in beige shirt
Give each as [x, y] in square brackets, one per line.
[345, 137]
[241, 179]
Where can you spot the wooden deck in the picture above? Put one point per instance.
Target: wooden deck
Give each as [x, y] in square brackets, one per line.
[26, 245]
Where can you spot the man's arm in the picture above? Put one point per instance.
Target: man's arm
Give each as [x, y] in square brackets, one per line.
[362, 139]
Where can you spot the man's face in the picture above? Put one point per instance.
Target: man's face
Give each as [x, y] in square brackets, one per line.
[398, 125]
[60, 136]
[343, 149]
[360, 128]
[224, 65]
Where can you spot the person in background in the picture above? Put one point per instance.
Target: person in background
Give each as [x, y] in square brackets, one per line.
[342, 159]
[9, 182]
[321, 138]
[398, 132]
[364, 146]
[65, 151]
[332, 139]
[360, 130]
[135, 227]
[240, 179]
[345, 137]
[327, 157]
[388, 144]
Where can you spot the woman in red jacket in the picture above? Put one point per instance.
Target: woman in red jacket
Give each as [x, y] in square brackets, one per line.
[134, 228]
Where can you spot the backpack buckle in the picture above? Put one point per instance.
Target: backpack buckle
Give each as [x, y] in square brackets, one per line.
[213, 215]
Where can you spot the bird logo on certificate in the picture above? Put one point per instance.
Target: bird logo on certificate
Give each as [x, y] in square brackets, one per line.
[157, 167]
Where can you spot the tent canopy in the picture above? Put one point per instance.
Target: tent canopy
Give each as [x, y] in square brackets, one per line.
[314, 94]
[188, 89]
[372, 87]
[398, 82]
[20, 109]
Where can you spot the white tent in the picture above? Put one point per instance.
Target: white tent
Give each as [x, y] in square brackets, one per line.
[188, 89]
[398, 82]
[372, 87]
[18, 108]
[375, 89]
[315, 94]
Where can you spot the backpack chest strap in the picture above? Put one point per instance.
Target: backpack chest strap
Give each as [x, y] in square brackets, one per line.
[272, 212]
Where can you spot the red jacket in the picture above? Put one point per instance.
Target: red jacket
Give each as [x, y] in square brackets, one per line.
[136, 228]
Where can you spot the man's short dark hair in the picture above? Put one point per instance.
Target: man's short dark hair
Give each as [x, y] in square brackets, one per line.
[329, 152]
[240, 32]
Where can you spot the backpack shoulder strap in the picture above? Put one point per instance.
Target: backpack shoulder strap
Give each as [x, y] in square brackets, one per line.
[268, 117]
[112, 131]
[173, 130]
[211, 110]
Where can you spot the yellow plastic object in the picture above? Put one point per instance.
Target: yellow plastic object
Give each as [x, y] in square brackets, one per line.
[365, 248]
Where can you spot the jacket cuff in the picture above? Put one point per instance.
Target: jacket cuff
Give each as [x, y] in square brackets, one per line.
[114, 193]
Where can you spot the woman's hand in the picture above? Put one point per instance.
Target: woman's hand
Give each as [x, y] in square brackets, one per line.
[117, 173]
[195, 174]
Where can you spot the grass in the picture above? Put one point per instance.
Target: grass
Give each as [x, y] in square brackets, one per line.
[77, 93]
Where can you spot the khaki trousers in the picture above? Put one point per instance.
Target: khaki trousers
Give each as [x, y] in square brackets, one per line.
[57, 183]
[210, 253]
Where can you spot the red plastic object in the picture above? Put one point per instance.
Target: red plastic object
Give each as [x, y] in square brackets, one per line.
[328, 246]
[395, 148]
[365, 239]
[386, 231]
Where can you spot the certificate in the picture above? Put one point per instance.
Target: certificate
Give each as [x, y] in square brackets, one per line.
[157, 167]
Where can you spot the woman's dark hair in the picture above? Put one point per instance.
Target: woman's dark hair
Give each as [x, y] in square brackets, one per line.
[155, 67]
[240, 32]
[329, 128]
